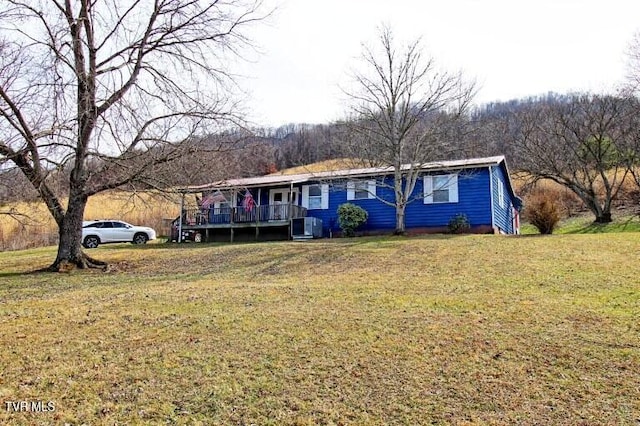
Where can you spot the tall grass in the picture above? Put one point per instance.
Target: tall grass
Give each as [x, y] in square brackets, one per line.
[37, 228]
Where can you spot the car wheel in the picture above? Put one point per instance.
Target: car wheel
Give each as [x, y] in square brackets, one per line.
[197, 238]
[91, 242]
[140, 239]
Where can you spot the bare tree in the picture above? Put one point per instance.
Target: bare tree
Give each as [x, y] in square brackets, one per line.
[111, 90]
[579, 143]
[632, 83]
[404, 112]
[631, 91]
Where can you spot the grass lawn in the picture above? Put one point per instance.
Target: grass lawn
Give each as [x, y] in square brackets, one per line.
[584, 224]
[425, 330]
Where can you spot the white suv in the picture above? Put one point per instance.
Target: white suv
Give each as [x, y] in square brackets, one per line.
[96, 232]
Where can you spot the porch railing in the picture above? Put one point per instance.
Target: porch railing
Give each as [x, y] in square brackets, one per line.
[228, 215]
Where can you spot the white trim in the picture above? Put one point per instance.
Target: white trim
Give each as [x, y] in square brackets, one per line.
[453, 188]
[493, 214]
[324, 188]
[351, 190]
[427, 189]
[372, 189]
[305, 196]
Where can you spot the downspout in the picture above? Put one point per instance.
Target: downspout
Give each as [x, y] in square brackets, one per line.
[493, 218]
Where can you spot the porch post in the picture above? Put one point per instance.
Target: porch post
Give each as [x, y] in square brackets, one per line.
[180, 222]
[258, 214]
[289, 229]
[234, 201]
[290, 200]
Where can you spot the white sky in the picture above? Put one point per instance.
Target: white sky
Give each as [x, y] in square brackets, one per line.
[513, 48]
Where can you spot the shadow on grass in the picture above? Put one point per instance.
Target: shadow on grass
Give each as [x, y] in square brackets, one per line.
[22, 274]
[629, 224]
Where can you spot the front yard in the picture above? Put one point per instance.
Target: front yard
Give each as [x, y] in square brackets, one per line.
[426, 330]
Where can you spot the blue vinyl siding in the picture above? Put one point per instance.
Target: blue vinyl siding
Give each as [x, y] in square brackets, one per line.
[474, 201]
[381, 216]
[502, 215]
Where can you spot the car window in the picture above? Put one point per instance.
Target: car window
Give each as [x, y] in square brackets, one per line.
[106, 225]
[119, 225]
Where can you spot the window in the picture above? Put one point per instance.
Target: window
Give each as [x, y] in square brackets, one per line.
[501, 194]
[315, 197]
[441, 189]
[361, 190]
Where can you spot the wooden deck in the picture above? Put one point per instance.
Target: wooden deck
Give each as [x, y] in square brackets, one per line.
[241, 223]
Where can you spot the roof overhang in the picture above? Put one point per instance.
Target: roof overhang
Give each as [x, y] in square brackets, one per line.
[280, 180]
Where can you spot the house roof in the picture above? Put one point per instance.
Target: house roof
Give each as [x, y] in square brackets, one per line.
[275, 180]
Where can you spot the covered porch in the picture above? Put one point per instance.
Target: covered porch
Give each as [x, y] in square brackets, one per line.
[228, 212]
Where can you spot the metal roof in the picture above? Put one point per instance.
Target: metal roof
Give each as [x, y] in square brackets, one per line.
[274, 179]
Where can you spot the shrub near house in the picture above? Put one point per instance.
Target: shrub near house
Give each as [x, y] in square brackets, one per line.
[350, 217]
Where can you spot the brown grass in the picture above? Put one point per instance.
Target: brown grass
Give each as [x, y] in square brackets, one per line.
[431, 330]
[628, 195]
[322, 166]
[39, 229]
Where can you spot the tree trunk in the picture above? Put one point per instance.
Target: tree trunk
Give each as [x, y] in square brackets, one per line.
[400, 227]
[604, 217]
[70, 254]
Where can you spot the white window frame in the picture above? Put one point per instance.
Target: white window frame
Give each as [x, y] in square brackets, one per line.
[501, 194]
[352, 189]
[324, 201]
[316, 198]
[451, 186]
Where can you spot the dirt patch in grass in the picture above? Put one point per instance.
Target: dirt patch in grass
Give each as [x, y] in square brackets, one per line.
[430, 330]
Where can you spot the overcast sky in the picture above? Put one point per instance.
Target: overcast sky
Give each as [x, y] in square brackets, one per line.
[513, 48]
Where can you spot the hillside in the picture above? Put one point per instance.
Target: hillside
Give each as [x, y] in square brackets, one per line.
[429, 330]
[321, 166]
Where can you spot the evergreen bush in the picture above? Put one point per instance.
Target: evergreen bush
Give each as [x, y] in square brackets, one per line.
[350, 217]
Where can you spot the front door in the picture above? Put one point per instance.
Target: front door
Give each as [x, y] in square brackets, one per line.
[279, 203]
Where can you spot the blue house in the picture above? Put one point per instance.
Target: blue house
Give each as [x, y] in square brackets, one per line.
[280, 206]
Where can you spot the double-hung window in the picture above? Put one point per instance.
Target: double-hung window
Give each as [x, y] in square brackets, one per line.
[315, 197]
[361, 190]
[440, 189]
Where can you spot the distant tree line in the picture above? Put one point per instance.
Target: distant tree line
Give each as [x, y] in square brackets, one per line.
[588, 143]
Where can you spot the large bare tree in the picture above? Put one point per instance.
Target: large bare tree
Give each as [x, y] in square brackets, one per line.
[579, 142]
[631, 91]
[110, 90]
[404, 113]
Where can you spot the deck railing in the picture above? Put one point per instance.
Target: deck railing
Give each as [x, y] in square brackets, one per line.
[256, 214]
